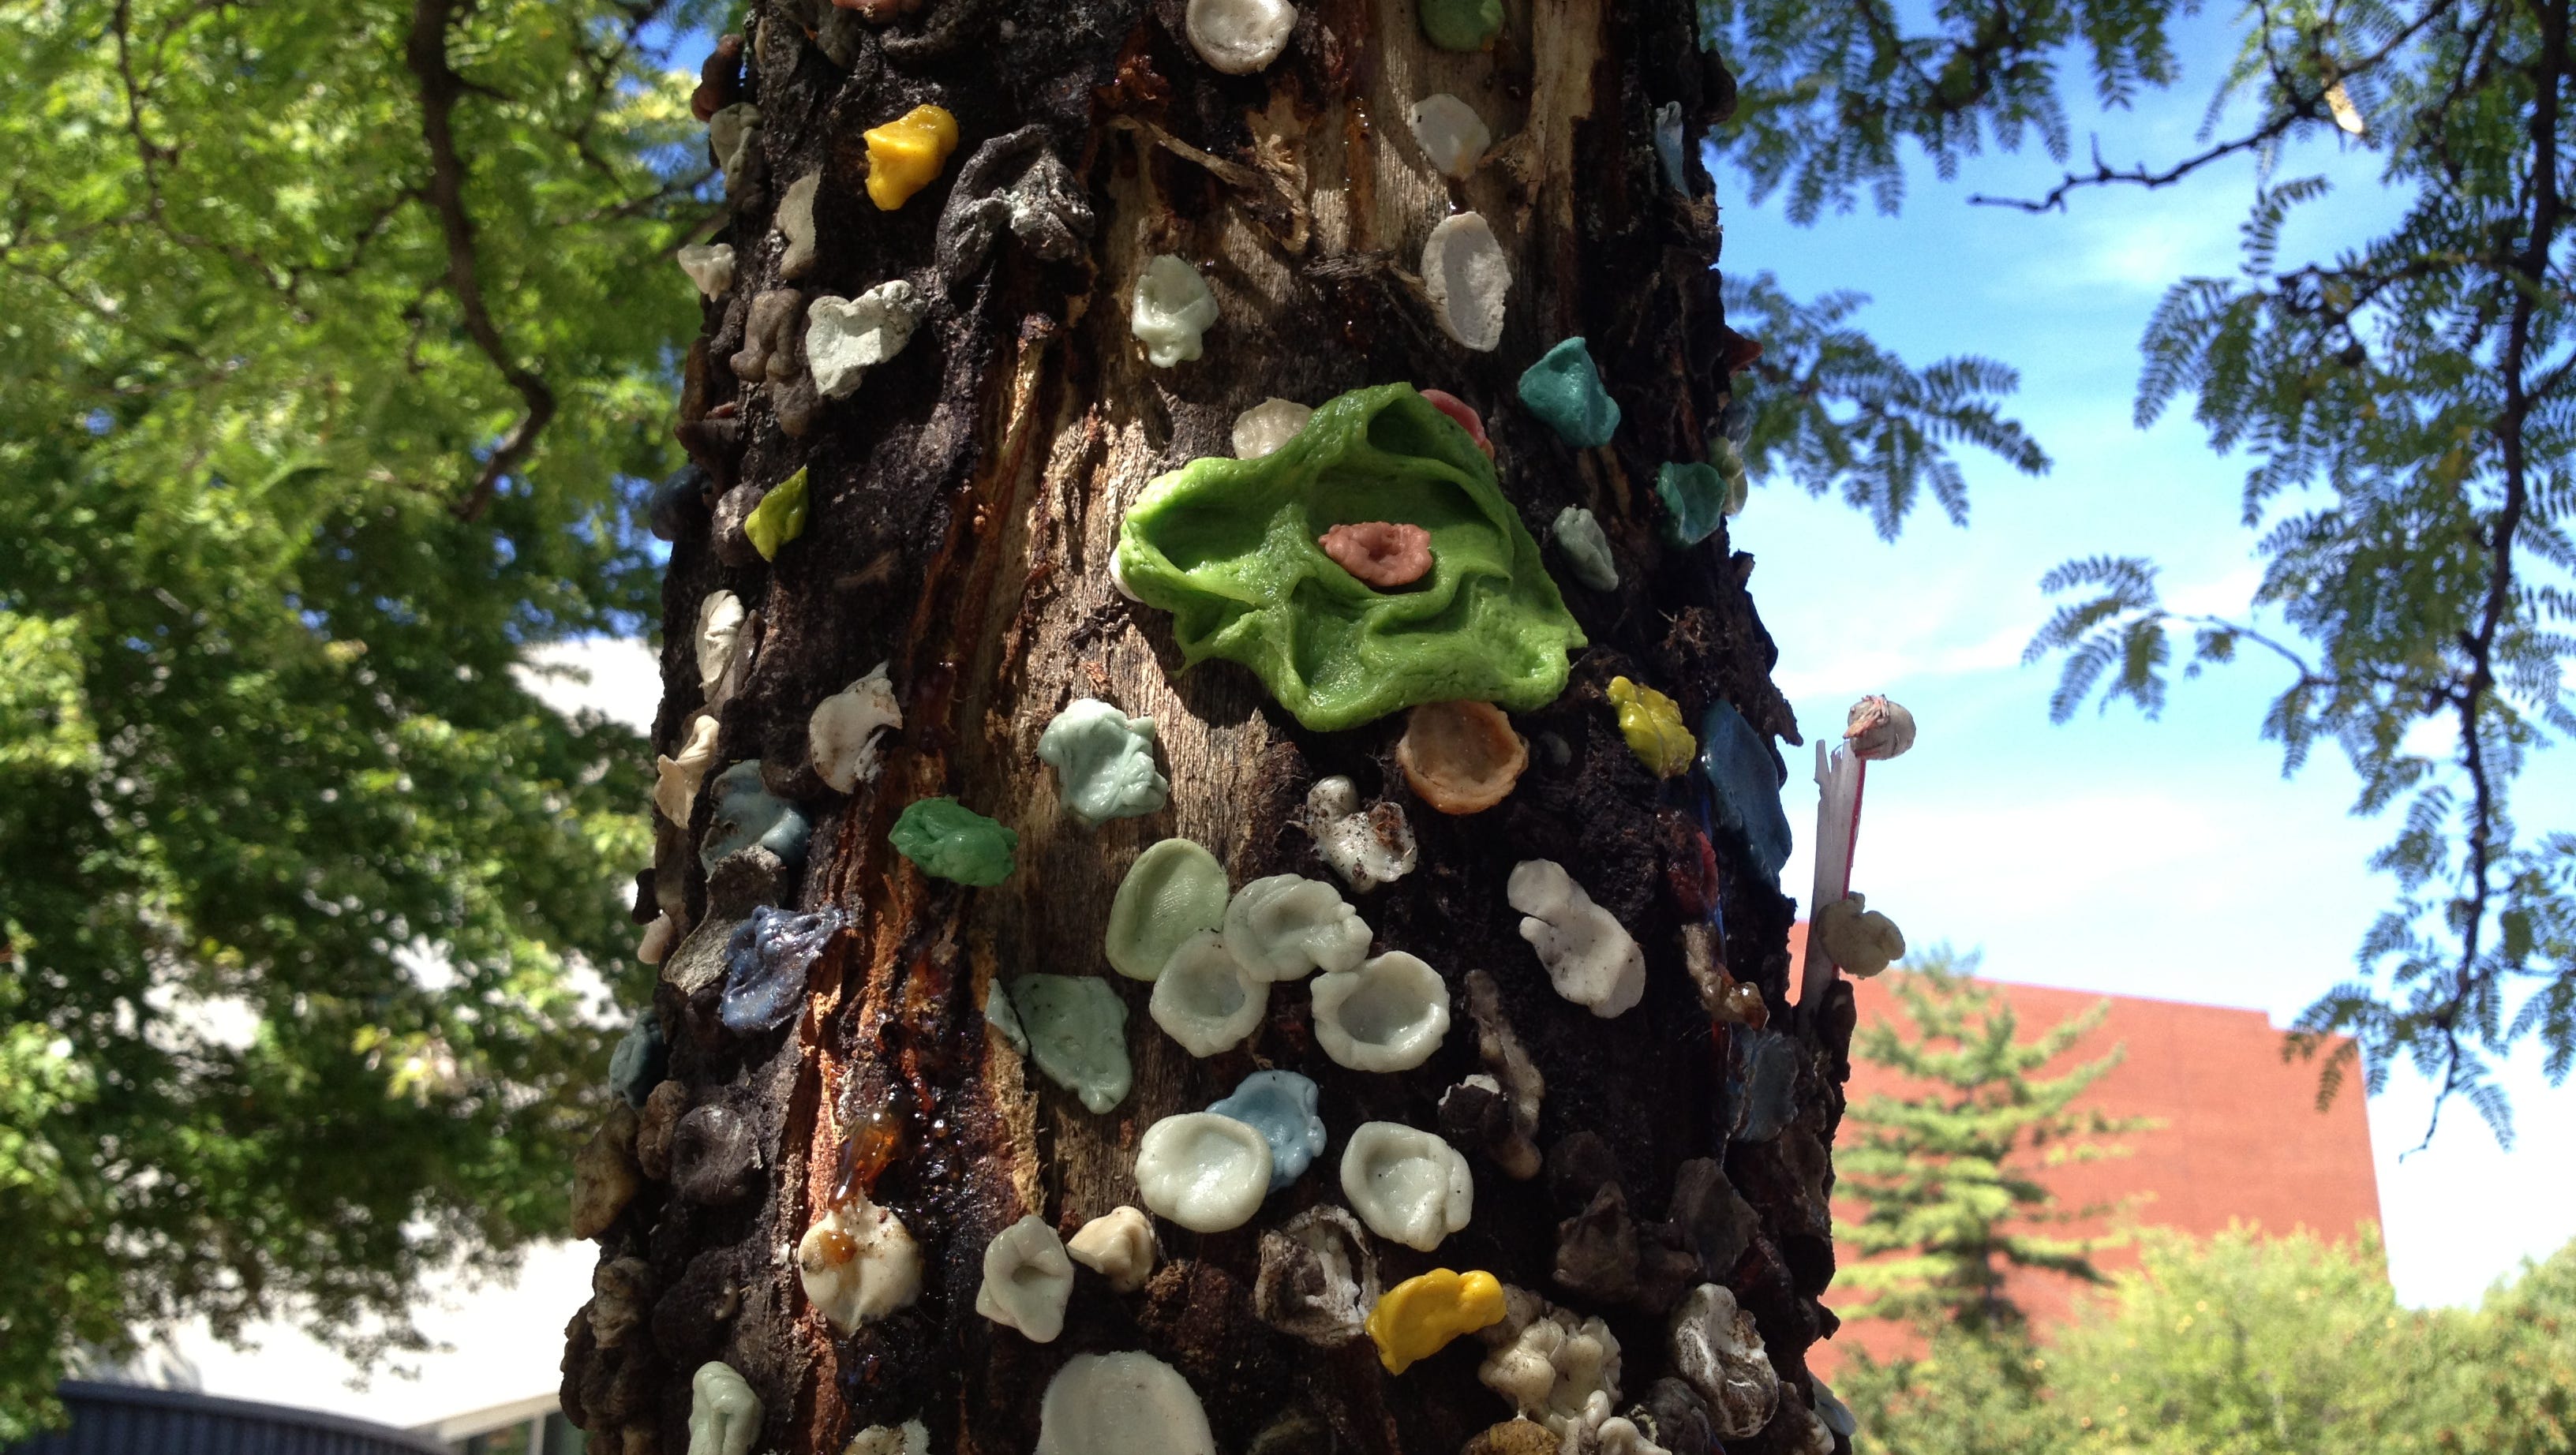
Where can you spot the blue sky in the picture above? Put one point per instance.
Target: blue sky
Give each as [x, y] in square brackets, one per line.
[2164, 858]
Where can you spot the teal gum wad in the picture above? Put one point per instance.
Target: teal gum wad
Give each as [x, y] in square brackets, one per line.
[640, 1061]
[1700, 498]
[747, 813]
[1229, 547]
[1564, 389]
[952, 841]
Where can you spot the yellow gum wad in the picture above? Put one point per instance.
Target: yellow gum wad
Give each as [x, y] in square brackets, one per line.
[905, 154]
[1418, 1317]
[1652, 724]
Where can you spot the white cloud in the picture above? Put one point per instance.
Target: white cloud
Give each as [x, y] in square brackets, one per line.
[2228, 595]
[1878, 664]
[504, 1342]
[2149, 258]
[2464, 1212]
[619, 678]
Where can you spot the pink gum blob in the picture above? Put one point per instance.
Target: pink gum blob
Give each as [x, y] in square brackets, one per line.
[1458, 409]
[1381, 553]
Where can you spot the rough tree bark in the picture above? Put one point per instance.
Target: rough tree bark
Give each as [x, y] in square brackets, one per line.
[964, 505]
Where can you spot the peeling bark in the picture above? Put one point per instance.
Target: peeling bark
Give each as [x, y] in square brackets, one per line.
[964, 505]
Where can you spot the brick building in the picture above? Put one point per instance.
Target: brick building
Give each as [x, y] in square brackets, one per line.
[2241, 1140]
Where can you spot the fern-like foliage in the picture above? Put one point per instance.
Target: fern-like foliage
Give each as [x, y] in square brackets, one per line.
[2406, 407]
[1832, 410]
[1830, 94]
[2406, 403]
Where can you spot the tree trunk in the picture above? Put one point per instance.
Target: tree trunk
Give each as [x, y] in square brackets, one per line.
[965, 502]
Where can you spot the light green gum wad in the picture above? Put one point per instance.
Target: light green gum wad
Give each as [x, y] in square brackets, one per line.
[1174, 890]
[1461, 25]
[1077, 1030]
[1104, 762]
[778, 518]
[1229, 548]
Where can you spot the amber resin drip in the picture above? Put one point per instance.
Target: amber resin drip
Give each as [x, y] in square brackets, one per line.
[870, 1146]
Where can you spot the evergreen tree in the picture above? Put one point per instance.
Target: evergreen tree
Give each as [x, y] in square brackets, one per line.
[1948, 1170]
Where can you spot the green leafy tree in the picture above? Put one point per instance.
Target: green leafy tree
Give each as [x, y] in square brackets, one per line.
[2502, 1377]
[2251, 1345]
[336, 342]
[1948, 1171]
[2248, 1344]
[2406, 401]
[1971, 1392]
[2245, 1344]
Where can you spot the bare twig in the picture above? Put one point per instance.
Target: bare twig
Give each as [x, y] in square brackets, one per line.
[2103, 174]
[1234, 174]
[2308, 676]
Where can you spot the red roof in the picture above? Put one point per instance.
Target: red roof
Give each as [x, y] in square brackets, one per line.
[2242, 1138]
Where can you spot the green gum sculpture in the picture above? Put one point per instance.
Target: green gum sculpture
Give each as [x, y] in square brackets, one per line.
[778, 518]
[953, 841]
[1077, 1030]
[1229, 548]
[1174, 890]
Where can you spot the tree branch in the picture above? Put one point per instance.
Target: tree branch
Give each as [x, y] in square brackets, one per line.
[2300, 107]
[2103, 174]
[440, 86]
[2526, 280]
[2308, 676]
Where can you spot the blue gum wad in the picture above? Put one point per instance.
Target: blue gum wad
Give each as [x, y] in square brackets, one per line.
[765, 966]
[747, 813]
[1104, 762]
[1699, 498]
[1229, 548]
[1747, 787]
[953, 841]
[1280, 1105]
[1761, 1079]
[1564, 389]
[641, 1058]
[1077, 1030]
